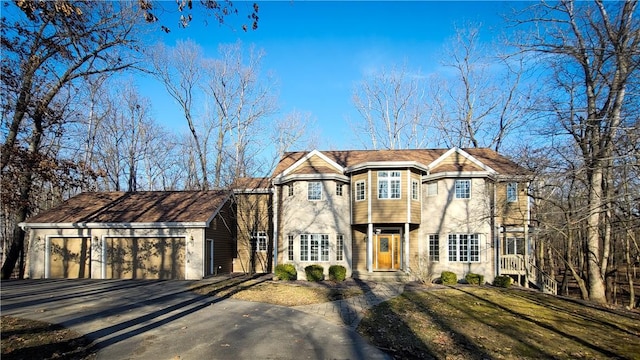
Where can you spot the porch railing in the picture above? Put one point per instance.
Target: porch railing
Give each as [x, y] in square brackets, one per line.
[517, 265]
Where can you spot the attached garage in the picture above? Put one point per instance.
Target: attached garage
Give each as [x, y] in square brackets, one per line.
[180, 235]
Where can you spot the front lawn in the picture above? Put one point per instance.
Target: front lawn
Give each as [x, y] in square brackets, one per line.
[468, 322]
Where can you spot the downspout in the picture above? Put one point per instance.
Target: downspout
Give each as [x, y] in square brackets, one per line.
[405, 256]
[275, 225]
[370, 226]
[496, 235]
[527, 240]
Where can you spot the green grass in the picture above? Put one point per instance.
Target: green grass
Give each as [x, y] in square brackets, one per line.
[493, 323]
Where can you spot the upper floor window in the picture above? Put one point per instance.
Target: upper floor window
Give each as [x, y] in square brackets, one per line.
[463, 189]
[339, 189]
[432, 188]
[314, 190]
[260, 238]
[415, 190]
[290, 189]
[389, 185]
[360, 191]
[512, 192]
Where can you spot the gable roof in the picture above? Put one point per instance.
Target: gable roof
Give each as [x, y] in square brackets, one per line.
[147, 207]
[351, 158]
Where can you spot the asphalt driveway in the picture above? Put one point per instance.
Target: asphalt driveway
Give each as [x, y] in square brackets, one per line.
[138, 319]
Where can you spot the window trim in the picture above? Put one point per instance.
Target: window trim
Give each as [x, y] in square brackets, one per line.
[364, 190]
[262, 240]
[339, 247]
[290, 250]
[309, 185]
[430, 186]
[463, 252]
[467, 190]
[339, 189]
[512, 192]
[415, 190]
[290, 190]
[390, 180]
[434, 247]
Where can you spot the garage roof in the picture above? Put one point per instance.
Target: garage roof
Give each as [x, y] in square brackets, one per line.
[135, 207]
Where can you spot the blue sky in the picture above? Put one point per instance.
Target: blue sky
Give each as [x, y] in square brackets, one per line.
[318, 51]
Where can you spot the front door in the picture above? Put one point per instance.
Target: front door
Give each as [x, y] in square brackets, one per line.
[387, 252]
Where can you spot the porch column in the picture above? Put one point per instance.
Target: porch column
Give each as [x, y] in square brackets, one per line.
[405, 258]
[370, 247]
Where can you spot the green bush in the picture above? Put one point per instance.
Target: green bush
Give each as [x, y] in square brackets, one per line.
[474, 279]
[286, 272]
[337, 272]
[314, 272]
[502, 281]
[449, 278]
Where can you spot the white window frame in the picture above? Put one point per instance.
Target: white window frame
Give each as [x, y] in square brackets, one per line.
[339, 247]
[464, 248]
[313, 193]
[290, 252]
[389, 182]
[314, 247]
[511, 246]
[290, 190]
[512, 192]
[361, 190]
[339, 189]
[262, 240]
[462, 189]
[432, 188]
[434, 247]
[415, 190]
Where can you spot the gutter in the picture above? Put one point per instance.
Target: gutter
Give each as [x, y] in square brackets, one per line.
[89, 225]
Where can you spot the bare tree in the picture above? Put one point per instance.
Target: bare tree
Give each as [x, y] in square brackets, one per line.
[594, 51]
[294, 130]
[391, 105]
[47, 47]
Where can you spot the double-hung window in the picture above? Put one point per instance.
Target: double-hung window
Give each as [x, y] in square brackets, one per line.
[512, 192]
[314, 190]
[464, 248]
[339, 189]
[290, 247]
[415, 190]
[463, 189]
[290, 188]
[260, 238]
[389, 185]
[314, 247]
[339, 247]
[360, 191]
[434, 247]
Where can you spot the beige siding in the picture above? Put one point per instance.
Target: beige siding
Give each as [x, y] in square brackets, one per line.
[254, 214]
[360, 208]
[511, 213]
[359, 249]
[416, 205]
[456, 162]
[389, 210]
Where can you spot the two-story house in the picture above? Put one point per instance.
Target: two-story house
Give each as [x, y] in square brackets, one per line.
[403, 211]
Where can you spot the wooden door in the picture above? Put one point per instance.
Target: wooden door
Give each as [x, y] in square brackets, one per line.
[387, 252]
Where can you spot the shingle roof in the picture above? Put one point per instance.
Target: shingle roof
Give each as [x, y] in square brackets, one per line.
[348, 158]
[136, 207]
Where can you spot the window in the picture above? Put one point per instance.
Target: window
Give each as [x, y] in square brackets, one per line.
[339, 247]
[314, 191]
[260, 238]
[339, 189]
[514, 246]
[290, 248]
[464, 247]
[512, 192]
[432, 188]
[415, 190]
[290, 187]
[314, 247]
[360, 191]
[434, 247]
[463, 189]
[389, 185]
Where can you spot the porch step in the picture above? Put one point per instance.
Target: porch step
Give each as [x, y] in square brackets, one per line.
[382, 276]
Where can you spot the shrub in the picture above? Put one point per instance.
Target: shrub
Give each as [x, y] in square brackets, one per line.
[314, 272]
[474, 279]
[337, 272]
[286, 272]
[448, 278]
[502, 281]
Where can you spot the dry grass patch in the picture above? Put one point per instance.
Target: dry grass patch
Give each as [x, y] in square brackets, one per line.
[284, 293]
[487, 322]
[30, 339]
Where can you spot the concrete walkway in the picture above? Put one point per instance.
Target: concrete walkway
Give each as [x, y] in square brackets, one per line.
[349, 312]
